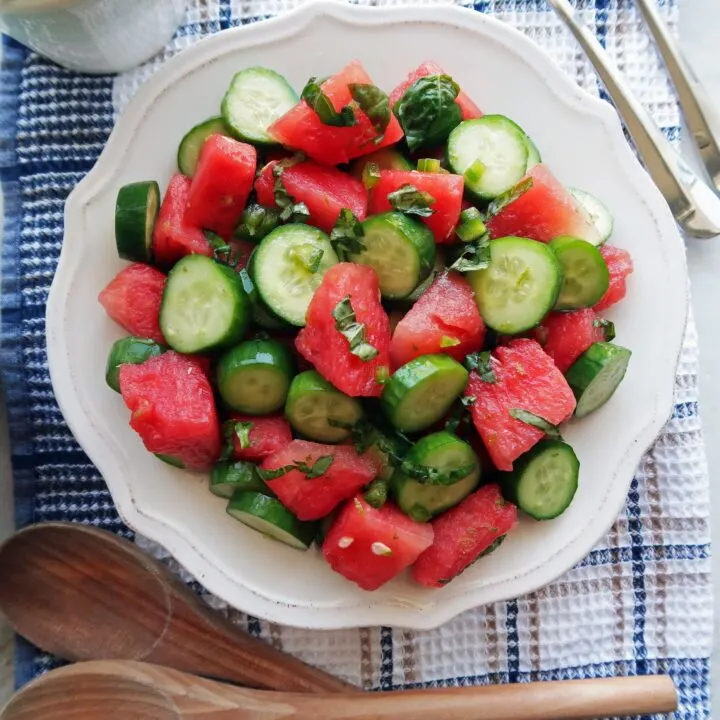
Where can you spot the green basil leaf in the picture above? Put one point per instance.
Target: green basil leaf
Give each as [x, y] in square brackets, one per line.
[608, 328]
[370, 175]
[318, 468]
[290, 210]
[475, 255]
[537, 422]
[242, 431]
[346, 323]
[377, 493]
[257, 222]
[432, 476]
[375, 104]
[427, 111]
[346, 235]
[482, 364]
[221, 250]
[509, 196]
[320, 103]
[411, 201]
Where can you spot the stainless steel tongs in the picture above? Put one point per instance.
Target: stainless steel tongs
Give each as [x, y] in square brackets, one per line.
[695, 206]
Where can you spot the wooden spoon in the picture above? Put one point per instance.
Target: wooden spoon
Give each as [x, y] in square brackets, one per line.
[85, 594]
[116, 690]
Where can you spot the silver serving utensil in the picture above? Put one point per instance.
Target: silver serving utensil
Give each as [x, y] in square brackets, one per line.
[694, 205]
[701, 119]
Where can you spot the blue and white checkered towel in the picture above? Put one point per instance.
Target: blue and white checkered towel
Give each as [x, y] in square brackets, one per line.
[640, 603]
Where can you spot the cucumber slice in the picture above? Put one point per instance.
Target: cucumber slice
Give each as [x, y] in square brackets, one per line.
[596, 374]
[133, 350]
[228, 477]
[204, 306]
[256, 98]
[585, 273]
[261, 314]
[313, 405]
[599, 214]
[385, 159]
[519, 287]
[491, 152]
[445, 452]
[136, 209]
[400, 250]
[534, 157]
[170, 460]
[254, 377]
[544, 480]
[192, 144]
[422, 391]
[270, 517]
[285, 284]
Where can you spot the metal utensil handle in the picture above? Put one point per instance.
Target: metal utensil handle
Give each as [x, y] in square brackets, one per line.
[701, 119]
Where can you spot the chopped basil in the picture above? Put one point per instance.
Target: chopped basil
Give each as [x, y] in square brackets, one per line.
[257, 222]
[482, 364]
[468, 400]
[290, 211]
[375, 104]
[307, 256]
[221, 250]
[318, 468]
[537, 422]
[353, 331]
[370, 175]
[320, 103]
[509, 196]
[346, 236]
[494, 545]
[475, 255]
[411, 201]
[427, 111]
[447, 341]
[608, 328]
[242, 430]
[232, 429]
[376, 494]
[433, 476]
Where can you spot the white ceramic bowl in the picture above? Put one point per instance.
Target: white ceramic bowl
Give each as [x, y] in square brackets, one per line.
[581, 140]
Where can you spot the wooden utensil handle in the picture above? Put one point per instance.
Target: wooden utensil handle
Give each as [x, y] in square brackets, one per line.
[117, 690]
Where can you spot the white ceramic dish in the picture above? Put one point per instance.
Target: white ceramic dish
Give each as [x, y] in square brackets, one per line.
[581, 140]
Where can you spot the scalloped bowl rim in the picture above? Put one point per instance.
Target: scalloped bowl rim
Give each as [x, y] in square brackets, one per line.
[107, 454]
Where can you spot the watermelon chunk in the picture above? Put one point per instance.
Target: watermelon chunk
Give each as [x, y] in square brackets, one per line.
[371, 547]
[462, 534]
[444, 319]
[268, 435]
[544, 212]
[526, 379]
[325, 191]
[469, 109]
[221, 184]
[300, 128]
[620, 265]
[312, 499]
[132, 299]
[173, 237]
[447, 189]
[173, 408]
[566, 336]
[322, 344]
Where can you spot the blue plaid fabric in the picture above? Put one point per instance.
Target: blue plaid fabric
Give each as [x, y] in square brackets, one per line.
[640, 603]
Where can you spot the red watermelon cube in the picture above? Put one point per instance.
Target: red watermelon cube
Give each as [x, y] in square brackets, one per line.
[462, 534]
[173, 237]
[566, 336]
[325, 191]
[445, 319]
[526, 379]
[132, 299]
[620, 266]
[173, 408]
[445, 188]
[544, 212]
[301, 129]
[322, 344]
[370, 546]
[313, 498]
[469, 109]
[268, 435]
[221, 184]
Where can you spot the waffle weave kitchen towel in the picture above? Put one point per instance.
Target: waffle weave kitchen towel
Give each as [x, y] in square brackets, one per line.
[641, 602]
